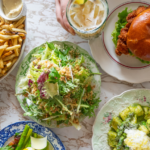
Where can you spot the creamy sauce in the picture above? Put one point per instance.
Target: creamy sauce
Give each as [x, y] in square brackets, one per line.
[87, 16]
[12, 8]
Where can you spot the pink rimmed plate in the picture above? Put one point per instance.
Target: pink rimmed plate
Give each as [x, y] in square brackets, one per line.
[125, 68]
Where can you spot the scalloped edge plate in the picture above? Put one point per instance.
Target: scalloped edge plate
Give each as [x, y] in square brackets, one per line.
[9, 131]
[113, 107]
[90, 62]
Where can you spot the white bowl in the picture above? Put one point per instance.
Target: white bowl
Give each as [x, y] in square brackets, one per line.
[22, 13]
[22, 51]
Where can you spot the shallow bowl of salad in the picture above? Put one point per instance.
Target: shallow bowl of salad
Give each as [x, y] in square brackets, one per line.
[58, 85]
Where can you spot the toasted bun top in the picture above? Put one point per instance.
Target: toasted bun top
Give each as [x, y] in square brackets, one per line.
[138, 37]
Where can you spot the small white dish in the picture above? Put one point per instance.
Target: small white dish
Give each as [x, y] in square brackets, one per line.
[125, 68]
[112, 108]
[22, 13]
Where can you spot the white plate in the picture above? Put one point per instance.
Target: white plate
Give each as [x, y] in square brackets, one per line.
[112, 108]
[7, 134]
[22, 51]
[125, 68]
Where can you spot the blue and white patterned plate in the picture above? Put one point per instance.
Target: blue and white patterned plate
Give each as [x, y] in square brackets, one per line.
[10, 130]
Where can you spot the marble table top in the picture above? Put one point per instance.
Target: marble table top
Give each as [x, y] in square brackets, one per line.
[43, 26]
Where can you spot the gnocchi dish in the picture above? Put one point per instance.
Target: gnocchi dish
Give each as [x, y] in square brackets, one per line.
[131, 129]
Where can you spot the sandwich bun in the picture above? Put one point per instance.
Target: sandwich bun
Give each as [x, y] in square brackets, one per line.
[138, 37]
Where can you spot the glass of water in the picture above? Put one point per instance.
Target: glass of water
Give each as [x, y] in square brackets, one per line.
[88, 20]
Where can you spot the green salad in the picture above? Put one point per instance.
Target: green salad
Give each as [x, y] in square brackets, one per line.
[131, 129]
[58, 86]
[118, 26]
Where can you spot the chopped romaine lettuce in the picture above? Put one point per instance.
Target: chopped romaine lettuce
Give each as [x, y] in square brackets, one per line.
[82, 74]
[47, 53]
[35, 75]
[53, 75]
[54, 58]
[81, 60]
[23, 84]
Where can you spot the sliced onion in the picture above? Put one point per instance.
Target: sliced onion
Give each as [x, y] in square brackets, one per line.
[38, 143]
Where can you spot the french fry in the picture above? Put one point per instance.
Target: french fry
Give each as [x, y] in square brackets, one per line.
[8, 22]
[8, 64]
[13, 61]
[10, 42]
[1, 52]
[1, 41]
[18, 23]
[19, 40]
[7, 54]
[8, 27]
[7, 37]
[12, 47]
[1, 75]
[12, 35]
[6, 43]
[16, 49]
[5, 62]
[3, 47]
[9, 57]
[19, 50]
[19, 30]
[21, 26]
[1, 63]
[2, 21]
[4, 70]
[6, 32]
[21, 34]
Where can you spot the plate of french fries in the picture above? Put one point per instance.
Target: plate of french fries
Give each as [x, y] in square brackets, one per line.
[12, 44]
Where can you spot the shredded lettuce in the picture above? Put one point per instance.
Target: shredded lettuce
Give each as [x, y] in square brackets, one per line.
[120, 24]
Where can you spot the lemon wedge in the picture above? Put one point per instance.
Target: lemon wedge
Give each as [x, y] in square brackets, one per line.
[80, 1]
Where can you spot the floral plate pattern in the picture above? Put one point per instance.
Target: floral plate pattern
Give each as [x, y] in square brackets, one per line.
[112, 108]
[10, 130]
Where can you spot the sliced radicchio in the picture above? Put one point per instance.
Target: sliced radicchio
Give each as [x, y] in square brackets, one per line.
[30, 82]
[41, 80]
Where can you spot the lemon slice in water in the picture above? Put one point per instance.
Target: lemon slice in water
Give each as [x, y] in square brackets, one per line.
[80, 1]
